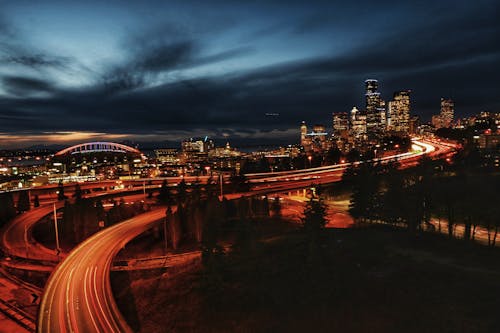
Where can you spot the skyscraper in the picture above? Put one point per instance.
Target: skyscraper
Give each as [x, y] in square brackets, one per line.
[358, 124]
[447, 111]
[375, 109]
[303, 133]
[399, 111]
[340, 123]
[445, 117]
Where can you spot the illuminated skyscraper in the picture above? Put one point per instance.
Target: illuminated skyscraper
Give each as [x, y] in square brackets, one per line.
[445, 117]
[399, 112]
[316, 140]
[447, 111]
[340, 123]
[358, 124]
[375, 109]
[303, 133]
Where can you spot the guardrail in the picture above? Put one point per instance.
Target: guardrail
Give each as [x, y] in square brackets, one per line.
[20, 316]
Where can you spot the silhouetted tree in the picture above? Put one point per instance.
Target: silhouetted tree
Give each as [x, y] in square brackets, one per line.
[239, 183]
[164, 196]
[36, 201]
[276, 208]
[211, 229]
[7, 208]
[60, 191]
[182, 191]
[365, 203]
[23, 202]
[101, 213]
[314, 220]
[78, 194]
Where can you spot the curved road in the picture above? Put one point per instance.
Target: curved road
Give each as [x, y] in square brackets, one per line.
[78, 296]
[17, 239]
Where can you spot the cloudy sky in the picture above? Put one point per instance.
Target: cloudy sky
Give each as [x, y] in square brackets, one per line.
[164, 70]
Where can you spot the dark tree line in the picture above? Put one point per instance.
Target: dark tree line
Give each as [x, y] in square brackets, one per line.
[86, 216]
[7, 208]
[433, 189]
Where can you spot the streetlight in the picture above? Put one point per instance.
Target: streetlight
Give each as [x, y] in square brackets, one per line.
[56, 230]
[26, 239]
[221, 181]
[310, 159]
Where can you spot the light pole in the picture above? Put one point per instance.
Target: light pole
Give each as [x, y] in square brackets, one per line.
[221, 181]
[26, 240]
[168, 215]
[56, 230]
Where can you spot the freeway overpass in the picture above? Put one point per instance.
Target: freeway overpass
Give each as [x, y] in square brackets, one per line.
[78, 296]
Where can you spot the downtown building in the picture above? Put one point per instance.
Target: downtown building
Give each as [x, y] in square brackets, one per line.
[317, 140]
[445, 118]
[340, 124]
[399, 112]
[359, 128]
[375, 110]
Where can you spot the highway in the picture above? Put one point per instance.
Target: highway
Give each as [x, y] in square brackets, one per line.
[421, 147]
[17, 240]
[78, 295]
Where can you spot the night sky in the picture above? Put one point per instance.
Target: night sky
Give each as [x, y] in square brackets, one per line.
[164, 70]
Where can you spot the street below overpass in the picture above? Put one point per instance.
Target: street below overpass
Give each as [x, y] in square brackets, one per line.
[78, 296]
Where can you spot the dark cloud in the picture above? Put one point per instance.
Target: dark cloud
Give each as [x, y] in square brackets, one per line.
[439, 51]
[21, 86]
[12, 52]
[35, 60]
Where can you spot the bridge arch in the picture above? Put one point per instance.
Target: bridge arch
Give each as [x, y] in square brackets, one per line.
[98, 146]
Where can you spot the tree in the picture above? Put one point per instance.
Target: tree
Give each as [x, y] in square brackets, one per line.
[276, 208]
[101, 213]
[60, 191]
[173, 227]
[78, 193]
[182, 191]
[333, 155]
[449, 191]
[240, 183]
[365, 199]
[314, 222]
[23, 202]
[164, 196]
[211, 228]
[36, 201]
[7, 208]
[314, 216]
[196, 191]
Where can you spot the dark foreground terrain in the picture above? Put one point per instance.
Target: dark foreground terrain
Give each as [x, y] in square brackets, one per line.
[359, 280]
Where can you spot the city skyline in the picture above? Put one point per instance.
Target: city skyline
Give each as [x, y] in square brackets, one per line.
[72, 73]
[258, 166]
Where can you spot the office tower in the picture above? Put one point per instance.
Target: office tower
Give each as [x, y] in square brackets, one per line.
[375, 109]
[399, 112]
[447, 111]
[445, 117]
[358, 124]
[340, 123]
[303, 133]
